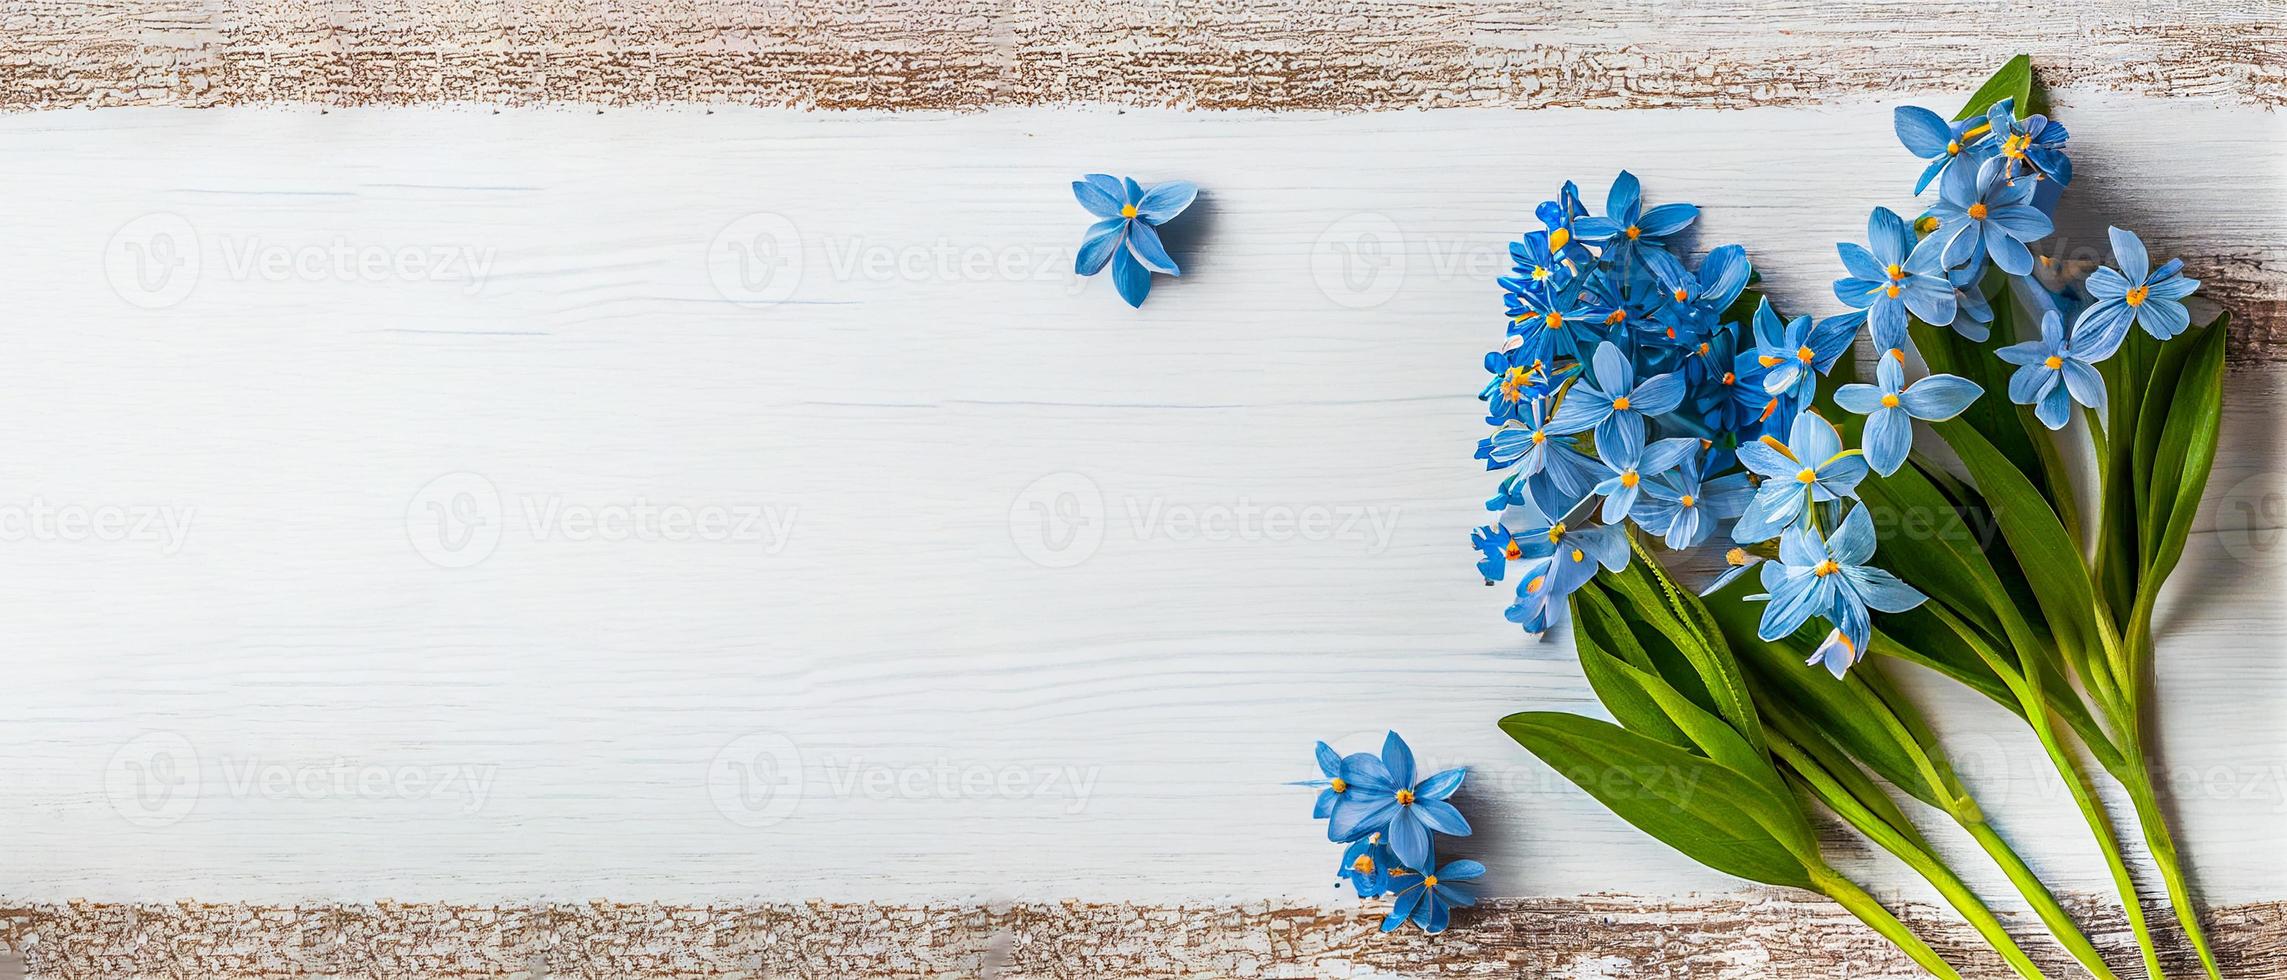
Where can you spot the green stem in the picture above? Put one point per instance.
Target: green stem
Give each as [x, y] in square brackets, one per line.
[1871, 912]
[2162, 844]
[2044, 903]
[1906, 844]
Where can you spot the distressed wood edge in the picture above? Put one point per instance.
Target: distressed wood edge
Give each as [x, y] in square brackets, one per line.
[1760, 934]
[1216, 54]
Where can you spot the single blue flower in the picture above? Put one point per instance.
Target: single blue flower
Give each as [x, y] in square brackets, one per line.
[1980, 211]
[1696, 300]
[1793, 353]
[1810, 468]
[1551, 326]
[1890, 406]
[1496, 548]
[1626, 224]
[1829, 578]
[1609, 400]
[2049, 371]
[1367, 864]
[1835, 654]
[1558, 568]
[1125, 237]
[1929, 136]
[1632, 464]
[1682, 505]
[1517, 382]
[1428, 900]
[2035, 143]
[1539, 269]
[1331, 786]
[2134, 294]
[1893, 275]
[1385, 799]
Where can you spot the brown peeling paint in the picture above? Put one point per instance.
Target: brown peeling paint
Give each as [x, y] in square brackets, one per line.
[1272, 54]
[1749, 937]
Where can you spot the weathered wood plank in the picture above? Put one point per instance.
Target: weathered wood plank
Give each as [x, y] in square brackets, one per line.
[955, 54]
[1750, 936]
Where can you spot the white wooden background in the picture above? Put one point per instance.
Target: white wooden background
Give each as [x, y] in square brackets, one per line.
[1044, 596]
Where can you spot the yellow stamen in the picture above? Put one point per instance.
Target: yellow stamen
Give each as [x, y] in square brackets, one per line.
[1634, 232]
[2053, 363]
[1429, 881]
[1687, 500]
[1620, 404]
[1555, 320]
[1539, 437]
[1895, 354]
[1776, 445]
[1891, 290]
[1127, 210]
[1825, 568]
[1926, 223]
[1807, 476]
[1558, 238]
[1738, 556]
[1629, 479]
[1768, 361]
[1889, 401]
[1679, 295]
[2137, 295]
[1895, 271]
[1555, 531]
[1977, 211]
[1364, 865]
[1953, 147]
[1338, 785]
[1730, 378]
[1405, 797]
[1804, 354]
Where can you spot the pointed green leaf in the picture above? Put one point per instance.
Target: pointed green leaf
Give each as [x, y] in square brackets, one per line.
[2013, 81]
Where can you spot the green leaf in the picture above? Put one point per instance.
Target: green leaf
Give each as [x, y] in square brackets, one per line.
[1610, 657]
[2013, 81]
[2185, 452]
[1646, 590]
[1711, 814]
[2047, 553]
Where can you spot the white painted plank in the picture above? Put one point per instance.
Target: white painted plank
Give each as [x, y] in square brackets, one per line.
[903, 423]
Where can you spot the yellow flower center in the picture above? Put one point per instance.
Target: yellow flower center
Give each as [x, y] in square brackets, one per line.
[1540, 273]
[2136, 296]
[1364, 865]
[1127, 210]
[1804, 354]
[1555, 531]
[1616, 316]
[1539, 437]
[1629, 479]
[1825, 568]
[1634, 232]
[1680, 295]
[2053, 363]
[1807, 476]
[1891, 290]
[1555, 320]
[1737, 556]
[1889, 401]
[1429, 881]
[1620, 404]
[1953, 147]
[1926, 223]
[1513, 386]
[1730, 378]
[1896, 271]
[1405, 797]
[1688, 500]
[2015, 145]
[1558, 238]
[1977, 210]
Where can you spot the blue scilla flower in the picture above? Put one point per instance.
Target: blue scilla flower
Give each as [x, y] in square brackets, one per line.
[1384, 798]
[1793, 353]
[2135, 294]
[1496, 548]
[1631, 465]
[1331, 785]
[1608, 399]
[2050, 371]
[1892, 275]
[1978, 211]
[1696, 300]
[1552, 576]
[1517, 382]
[2034, 144]
[1890, 406]
[1829, 578]
[1553, 325]
[1539, 268]
[1125, 237]
[1367, 864]
[1428, 900]
[1929, 136]
[1682, 505]
[1626, 224]
[1808, 469]
[1736, 562]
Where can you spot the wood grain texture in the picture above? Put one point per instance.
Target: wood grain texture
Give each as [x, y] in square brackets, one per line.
[314, 698]
[958, 54]
[1756, 936]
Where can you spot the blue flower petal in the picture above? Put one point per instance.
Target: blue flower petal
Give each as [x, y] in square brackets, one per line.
[1144, 242]
[1096, 249]
[1166, 200]
[1130, 276]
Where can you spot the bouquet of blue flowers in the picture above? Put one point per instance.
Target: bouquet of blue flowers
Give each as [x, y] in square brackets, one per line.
[1641, 399]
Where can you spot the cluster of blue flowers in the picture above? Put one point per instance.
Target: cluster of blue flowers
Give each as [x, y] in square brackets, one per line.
[1391, 821]
[1633, 388]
